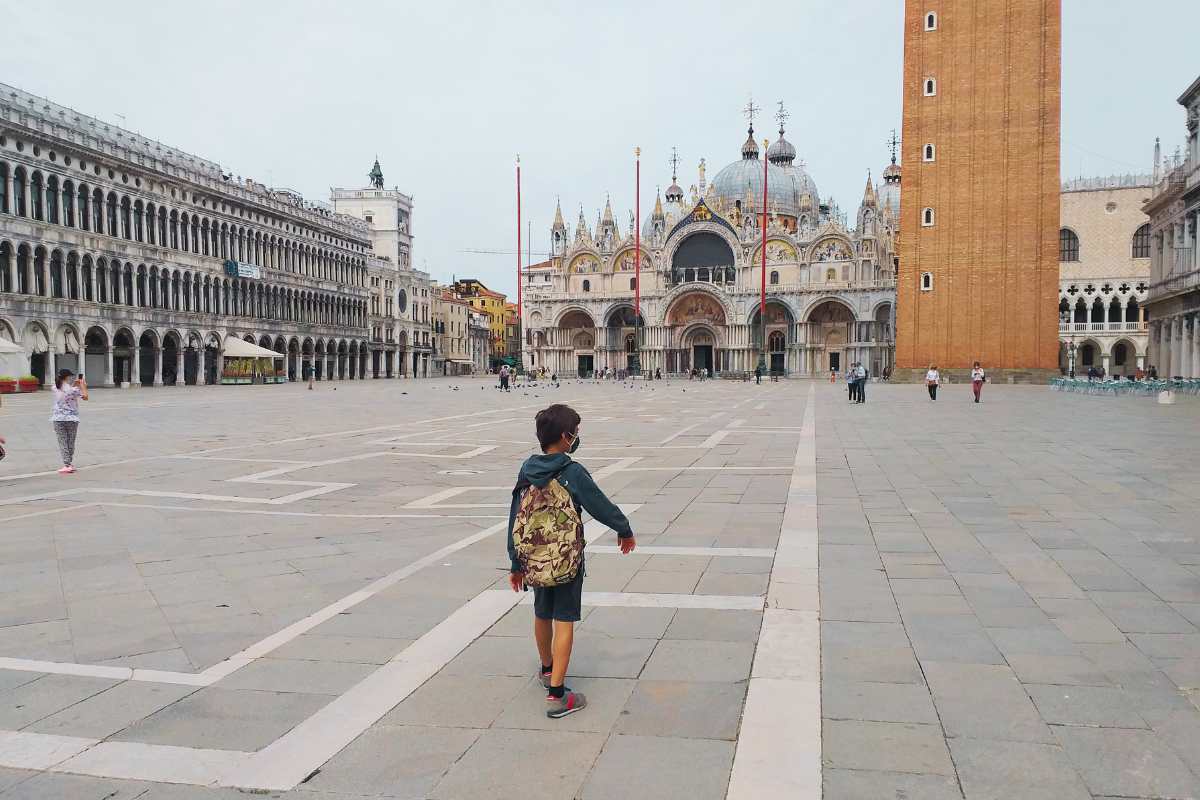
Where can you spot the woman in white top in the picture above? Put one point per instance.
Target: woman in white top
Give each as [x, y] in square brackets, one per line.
[64, 416]
[977, 378]
[932, 379]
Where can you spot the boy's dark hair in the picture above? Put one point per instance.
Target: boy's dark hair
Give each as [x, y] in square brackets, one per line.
[553, 422]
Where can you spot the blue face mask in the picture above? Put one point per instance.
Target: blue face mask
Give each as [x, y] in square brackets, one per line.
[574, 444]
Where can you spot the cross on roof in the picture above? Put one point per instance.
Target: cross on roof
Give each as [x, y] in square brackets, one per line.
[750, 111]
[781, 115]
[893, 143]
[674, 163]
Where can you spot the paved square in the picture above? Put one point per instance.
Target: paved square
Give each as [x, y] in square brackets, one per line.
[303, 594]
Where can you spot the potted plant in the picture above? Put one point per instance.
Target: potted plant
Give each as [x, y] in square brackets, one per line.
[8, 384]
[28, 383]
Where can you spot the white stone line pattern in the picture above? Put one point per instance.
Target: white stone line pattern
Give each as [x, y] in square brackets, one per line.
[779, 745]
[265, 478]
[724, 602]
[715, 439]
[593, 530]
[678, 433]
[435, 500]
[264, 646]
[287, 761]
[22, 750]
[423, 431]
[704, 552]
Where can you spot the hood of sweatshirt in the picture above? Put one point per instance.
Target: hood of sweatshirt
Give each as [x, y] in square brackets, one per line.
[539, 469]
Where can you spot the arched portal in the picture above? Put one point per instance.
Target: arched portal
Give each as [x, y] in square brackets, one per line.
[170, 359]
[703, 256]
[147, 352]
[830, 328]
[122, 356]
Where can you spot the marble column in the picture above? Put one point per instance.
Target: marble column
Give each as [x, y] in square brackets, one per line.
[180, 376]
[108, 367]
[158, 367]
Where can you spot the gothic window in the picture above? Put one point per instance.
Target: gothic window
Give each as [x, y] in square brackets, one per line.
[3, 188]
[926, 281]
[35, 195]
[587, 286]
[775, 342]
[1141, 242]
[930, 87]
[831, 274]
[1068, 245]
[931, 21]
[929, 153]
[774, 278]
[927, 218]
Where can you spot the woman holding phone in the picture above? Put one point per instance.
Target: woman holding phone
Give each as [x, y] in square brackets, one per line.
[68, 391]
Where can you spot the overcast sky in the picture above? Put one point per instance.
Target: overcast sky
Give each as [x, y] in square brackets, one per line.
[303, 94]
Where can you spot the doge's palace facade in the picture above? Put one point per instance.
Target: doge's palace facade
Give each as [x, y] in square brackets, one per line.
[138, 262]
[830, 287]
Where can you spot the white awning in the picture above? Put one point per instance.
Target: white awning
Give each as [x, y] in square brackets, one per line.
[10, 347]
[70, 342]
[460, 361]
[38, 342]
[237, 348]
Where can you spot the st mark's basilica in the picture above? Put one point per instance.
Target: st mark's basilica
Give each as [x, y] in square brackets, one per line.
[830, 286]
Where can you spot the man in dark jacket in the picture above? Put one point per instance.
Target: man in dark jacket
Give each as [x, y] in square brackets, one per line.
[556, 609]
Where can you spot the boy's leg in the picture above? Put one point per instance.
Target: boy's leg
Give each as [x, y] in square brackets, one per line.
[564, 638]
[543, 634]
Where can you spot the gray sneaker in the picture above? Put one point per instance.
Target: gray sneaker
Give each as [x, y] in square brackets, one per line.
[569, 703]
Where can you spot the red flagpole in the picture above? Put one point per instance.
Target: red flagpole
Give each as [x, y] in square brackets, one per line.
[762, 304]
[520, 314]
[637, 253]
[762, 310]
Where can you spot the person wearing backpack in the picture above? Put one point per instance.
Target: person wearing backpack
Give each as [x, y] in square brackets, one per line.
[545, 546]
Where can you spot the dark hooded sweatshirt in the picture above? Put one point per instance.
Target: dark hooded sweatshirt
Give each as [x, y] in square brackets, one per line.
[574, 477]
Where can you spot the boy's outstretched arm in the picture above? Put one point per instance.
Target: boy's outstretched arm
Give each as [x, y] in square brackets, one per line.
[596, 503]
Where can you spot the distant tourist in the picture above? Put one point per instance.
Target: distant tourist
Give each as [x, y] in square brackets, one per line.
[1153, 372]
[932, 379]
[64, 416]
[545, 546]
[860, 382]
[852, 382]
[658, 374]
[758, 371]
[308, 374]
[978, 376]
[504, 378]
[833, 374]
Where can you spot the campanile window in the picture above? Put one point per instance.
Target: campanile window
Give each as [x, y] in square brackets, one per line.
[930, 87]
[931, 21]
[927, 217]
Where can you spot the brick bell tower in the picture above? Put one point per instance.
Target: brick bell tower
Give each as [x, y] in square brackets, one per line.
[979, 211]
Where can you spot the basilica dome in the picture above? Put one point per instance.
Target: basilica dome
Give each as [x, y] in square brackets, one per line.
[790, 189]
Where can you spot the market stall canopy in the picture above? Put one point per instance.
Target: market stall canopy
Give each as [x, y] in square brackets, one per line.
[10, 347]
[237, 348]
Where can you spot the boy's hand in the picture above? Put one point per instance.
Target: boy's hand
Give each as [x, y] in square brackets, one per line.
[627, 545]
[515, 579]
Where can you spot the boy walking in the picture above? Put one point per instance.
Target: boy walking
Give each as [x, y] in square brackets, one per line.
[545, 545]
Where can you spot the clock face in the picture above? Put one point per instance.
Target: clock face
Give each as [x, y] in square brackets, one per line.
[401, 301]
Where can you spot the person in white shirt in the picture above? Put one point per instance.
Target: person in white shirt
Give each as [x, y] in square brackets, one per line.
[977, 378]
[932, 379]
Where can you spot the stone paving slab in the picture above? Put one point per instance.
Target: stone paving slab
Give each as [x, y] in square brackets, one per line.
[1035, 579]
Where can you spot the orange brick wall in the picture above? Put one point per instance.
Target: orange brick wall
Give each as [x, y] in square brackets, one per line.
[994, 186]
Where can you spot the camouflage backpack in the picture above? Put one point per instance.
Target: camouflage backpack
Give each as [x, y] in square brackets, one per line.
[548, 535]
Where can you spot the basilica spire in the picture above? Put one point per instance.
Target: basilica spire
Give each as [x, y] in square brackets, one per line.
[781, 153]
[869, 192]
[558, 217]
[674, 193]
[750, 148]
